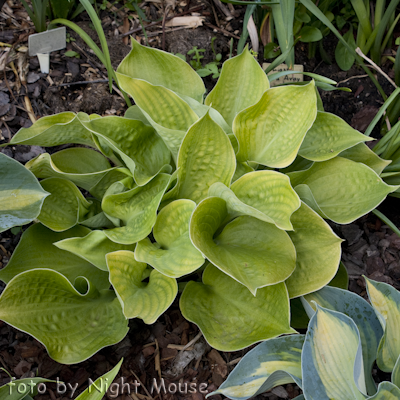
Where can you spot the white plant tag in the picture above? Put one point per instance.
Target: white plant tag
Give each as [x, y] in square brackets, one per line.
[286, 78]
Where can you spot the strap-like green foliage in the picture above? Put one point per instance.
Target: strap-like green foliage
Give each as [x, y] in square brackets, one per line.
[21, 388]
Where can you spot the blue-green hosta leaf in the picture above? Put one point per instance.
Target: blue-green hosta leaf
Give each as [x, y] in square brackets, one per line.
[20, 388]
[220, 305]
[70, 324]
[169, 115]
[138, 145]
[328, 136]
[136, 208]
[253, 252]
[271, 131]
[36, 250]
[240, 85]
[362, 314]
[139, 299]
[173, 254]
[65, 206]
[331, 360]
[396, 373]
[55, 130]
[93, 247]
[271, 363]
[318, 252]
[21, 196]
[344, 190]
[386, 391]
[386, 301]
[205, 157]
[164, 69]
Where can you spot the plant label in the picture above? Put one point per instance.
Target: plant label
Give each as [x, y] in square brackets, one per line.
[286, 78]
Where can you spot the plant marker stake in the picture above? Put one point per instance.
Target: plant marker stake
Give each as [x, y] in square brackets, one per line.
[43, 43]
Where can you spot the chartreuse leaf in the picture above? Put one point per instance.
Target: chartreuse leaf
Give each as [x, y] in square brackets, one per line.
[98, 389]
[173, 254]
[65, 206]
[136, 208]
[112, 176]
[20, 388]
[328, 136]
[139, 299]
[240, 85]
[205, 157]
[134, 112]
[386, 301]
[54, 130]
[169, 115]
[21, 196]
[36, 249]
[93, 247]
[138, 145]
[318, 252]
[271, 131]
[364, 317]
[271, 363]
[44, 304]
[343, 189]
[220, 305]
[164, 69]
[386, 391]
[253, 252]
[331, 361]
[396, 373]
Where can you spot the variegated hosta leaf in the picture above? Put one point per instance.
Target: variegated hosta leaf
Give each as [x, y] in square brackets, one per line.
[318, 252]
[362, 314]
[240, 85]
[386, 391]
[21, 388]
[331, 361]
[220, 305]
[253, 252]
[138, 299]
[93, 247]
[205, 157]
[386, 301]
[21, 196]
[173, 254]
[36, 249]
[169, 115]
[65, 206]
[396, 373]
[136, 208]
[271, 131]
[328, 136]
[56, 129]
[164, 69]
[138, 145]
[344, 190]
[44, 304]
[271, 363]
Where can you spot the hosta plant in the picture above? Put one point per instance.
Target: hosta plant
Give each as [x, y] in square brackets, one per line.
[334, 359]
[236, 186]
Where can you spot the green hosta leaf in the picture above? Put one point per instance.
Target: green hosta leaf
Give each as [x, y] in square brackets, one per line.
[65, 206]
[253, 252]
[136, 208]
[96, 218]
[138, 145]
[271, 363]
[54, 130]
[36, 249]
[343, 189]
[387, 391]
[20, 388]
[138, 299]
[134, 112]
[331, 360]
[93, 247]
[44, 304]
[240, 85]
[164, 69]
[271, 132]
[173, 254]
[386, 301]
[205, 157]
[112, 176]
[362, 314]
[318, 252]
[220, 305]
[169, 115]
[341, 279]
[328, 136]
[396, 373]
[21, 196]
